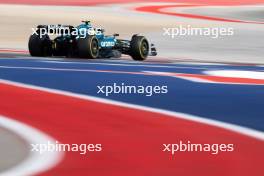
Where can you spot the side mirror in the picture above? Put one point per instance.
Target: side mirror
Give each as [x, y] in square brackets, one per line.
[116, 35]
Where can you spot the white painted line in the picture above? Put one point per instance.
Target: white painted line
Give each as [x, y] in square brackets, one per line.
[75, 70]
[202, 63]
[129, 65]
[178, 76]
[202, 80]
[224, 125]
[149, 73]
[35, 162]
[236, 73]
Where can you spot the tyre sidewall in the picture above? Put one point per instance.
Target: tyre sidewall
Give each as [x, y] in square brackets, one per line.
[135, 47]
[85, 48]
[40, 47]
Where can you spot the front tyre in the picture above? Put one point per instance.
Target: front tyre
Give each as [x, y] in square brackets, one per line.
[88, 47]
[139, 48]
[40, 46]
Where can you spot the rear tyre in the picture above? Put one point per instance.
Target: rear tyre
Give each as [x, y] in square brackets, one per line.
[88, 47]
[40, 47]
[139, 48]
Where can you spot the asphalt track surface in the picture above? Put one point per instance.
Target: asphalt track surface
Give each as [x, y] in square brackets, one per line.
[209, 100]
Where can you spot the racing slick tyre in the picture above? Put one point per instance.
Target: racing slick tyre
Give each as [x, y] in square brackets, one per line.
[40, 46]
[139, 48]
[88, 47]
